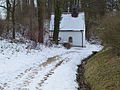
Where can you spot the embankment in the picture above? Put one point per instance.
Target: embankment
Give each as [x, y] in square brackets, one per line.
[100, 71]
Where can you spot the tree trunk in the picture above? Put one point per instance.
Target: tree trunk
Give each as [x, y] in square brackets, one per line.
[8, 15]
[31, 13]
[41, 7]
[57, 21]
[13, 20]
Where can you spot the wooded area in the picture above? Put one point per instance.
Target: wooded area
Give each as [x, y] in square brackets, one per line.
[31, 18]
[35, 36]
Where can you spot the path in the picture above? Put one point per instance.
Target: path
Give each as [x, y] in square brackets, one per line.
[37, 75]
[57, 73]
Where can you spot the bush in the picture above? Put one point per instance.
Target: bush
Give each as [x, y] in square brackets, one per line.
[67, 45]
[110, 31]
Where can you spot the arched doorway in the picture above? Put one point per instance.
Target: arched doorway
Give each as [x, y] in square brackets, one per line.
[70, 40]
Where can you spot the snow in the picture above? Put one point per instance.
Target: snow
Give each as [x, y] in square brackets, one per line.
[22, 69]
[14, 58]
[70, 23]
[64, 77]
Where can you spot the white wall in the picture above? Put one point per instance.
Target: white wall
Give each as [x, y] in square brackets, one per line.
[77, 38]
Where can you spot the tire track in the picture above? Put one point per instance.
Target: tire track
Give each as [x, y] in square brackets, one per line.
[23, 80]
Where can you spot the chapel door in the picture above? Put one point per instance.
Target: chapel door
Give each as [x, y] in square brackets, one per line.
[70, 40]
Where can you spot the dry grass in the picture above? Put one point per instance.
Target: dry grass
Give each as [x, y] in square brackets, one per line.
[109, 32]
[102, 72]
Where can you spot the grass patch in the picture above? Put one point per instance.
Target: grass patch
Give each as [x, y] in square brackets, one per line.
[102, 71]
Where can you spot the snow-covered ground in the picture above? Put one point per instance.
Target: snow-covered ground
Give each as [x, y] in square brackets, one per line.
[45, 69]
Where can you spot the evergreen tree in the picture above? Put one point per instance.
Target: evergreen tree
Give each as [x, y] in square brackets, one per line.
[58, 12]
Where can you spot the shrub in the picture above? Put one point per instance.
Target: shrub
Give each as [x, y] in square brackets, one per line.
[109, 32]
[67, 45]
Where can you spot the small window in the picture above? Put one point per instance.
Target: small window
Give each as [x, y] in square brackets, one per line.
[70, 40]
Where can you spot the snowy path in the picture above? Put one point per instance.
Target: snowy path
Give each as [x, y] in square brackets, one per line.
[50, 69]
[34, 78]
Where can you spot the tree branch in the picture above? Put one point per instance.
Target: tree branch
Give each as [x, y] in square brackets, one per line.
[5, 8]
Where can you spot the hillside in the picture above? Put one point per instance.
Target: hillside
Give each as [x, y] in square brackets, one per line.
[102, 71]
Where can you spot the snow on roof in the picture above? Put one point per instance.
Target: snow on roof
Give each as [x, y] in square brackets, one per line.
[70, 23]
